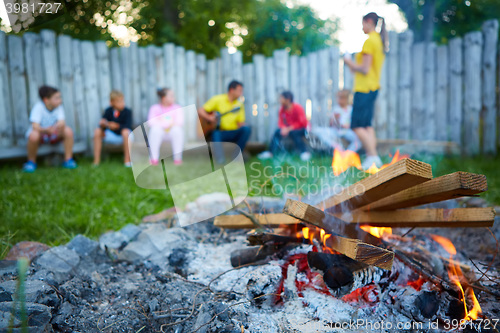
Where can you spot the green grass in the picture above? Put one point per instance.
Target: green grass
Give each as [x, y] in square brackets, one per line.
[53, 205]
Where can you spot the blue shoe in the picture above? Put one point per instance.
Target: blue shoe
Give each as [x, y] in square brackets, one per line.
[69, 164]
[29, 167]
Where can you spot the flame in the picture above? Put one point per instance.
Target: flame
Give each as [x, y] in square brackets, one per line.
[476, 309]
[455, 273]
[378, 232]
[445, 243]
[344, 159]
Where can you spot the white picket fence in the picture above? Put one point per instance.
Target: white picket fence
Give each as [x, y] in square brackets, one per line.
[429, 92]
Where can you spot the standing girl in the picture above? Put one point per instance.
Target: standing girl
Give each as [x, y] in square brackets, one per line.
[367, 68]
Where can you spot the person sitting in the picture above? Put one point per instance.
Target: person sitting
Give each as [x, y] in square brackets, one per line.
[48, 126]
[340, 124]
[226, 113]
[292, 123]
[166, 122]
[114, 127]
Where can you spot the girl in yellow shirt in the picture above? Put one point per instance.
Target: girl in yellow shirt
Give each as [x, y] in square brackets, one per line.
[367, 69]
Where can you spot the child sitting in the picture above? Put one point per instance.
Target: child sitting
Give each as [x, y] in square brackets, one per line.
[48, 126]
[114, 127]
[339, 129]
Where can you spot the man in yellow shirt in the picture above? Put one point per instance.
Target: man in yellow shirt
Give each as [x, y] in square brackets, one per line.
[228, 113]
[367, 69]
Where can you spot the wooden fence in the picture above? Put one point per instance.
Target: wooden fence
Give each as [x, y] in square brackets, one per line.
[429, 92]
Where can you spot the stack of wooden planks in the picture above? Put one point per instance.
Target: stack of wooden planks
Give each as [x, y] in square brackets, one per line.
[384, 199]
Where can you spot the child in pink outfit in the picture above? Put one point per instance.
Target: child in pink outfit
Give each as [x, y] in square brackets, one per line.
[166, 122]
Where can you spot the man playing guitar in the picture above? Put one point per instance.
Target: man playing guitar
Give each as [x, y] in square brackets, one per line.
[223, 117]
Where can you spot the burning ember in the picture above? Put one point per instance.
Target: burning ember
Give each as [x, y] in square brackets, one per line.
[343, 160]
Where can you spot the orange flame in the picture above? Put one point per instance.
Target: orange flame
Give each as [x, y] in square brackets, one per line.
[445, 243]
[378, 232]
[344, 159]
[455, 273]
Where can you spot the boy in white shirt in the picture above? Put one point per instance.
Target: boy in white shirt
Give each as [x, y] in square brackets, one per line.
[48, 126]
[340, 123]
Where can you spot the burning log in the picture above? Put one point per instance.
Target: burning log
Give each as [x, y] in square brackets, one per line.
[454, 185]
[258, 254]
[429, 217]
[243, 222]
[392, 179]
[261, 238]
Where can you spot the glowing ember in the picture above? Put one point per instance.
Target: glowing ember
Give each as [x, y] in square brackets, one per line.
[445, 243]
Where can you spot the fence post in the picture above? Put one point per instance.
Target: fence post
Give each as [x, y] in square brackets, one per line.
[473, 42]
[116, 73]
[50, 61]
[348, 75]
[381, 106]
[294, 77]
[304, 82]
[135, 81]
[34, 65]
[80, 111]
[392, 85]
[89, 66]
[190, 120]
[6, 110]
[312, 62]
[126, 70]
[211, 80]
[169, 66]
[441, 130]
[19, 94]
[490, 34]
[456, 90]
[143, 85]
[66, 69]
[323, 86]
[103, 73]
[260, 96]
[334, 72]
[418, 120]
[248, 79]
[405, 71]
[201, 80]
[180, 62]
[272, 109]
[151, 79]
[429, 124]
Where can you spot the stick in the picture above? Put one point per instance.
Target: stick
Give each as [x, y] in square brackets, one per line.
[394, 178]
[330, 223]
[454, 185]
[427, 217]
[242, 222]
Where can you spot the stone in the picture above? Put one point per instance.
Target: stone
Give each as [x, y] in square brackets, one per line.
[26, 249]
[83, 246]
[8, 268]
[39, 315]
[130, 231]
[263, 281]
[113, 240]
[33, 289]
[59, 259]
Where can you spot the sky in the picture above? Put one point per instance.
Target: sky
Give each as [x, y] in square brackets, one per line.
[351, 12]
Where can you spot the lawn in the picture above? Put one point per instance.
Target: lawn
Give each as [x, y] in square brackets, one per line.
[53, 205]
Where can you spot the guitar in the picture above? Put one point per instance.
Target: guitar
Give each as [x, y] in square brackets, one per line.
[209, 127]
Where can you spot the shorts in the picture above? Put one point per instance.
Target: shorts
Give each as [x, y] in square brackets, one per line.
[363, 108]
[112, 138]
[45, 138]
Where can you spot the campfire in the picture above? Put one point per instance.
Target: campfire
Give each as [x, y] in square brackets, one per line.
[344, 247]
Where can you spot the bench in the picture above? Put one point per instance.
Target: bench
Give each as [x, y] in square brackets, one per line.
[45, 149]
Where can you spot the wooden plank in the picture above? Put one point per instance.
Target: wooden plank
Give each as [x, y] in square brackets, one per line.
[455, 115]
[441, 128]
[160, 71]
[250, 107]
[180, 65]
[424, 218]
[17, 152]
[103, 73]
[142, 112]
[243, 222]
[271, 107]
[473, 43]
[348, 75]
[66, 69]
[323, 87]
[236, 66]
[260, 97]
[489, 84]
[418, 120]
[303, 81]
[334, 75]
[404, 84]
[92, 101]
[151, 79]
[454, 185]
[34, 65]
[116, 73]
[225, 67]
[126, 71]
[135, 89]
[294, 77]
[201, 88]
[6, 130]
[190, 118]
[312, 65]
[392, 84]
[381, 116]
[19, 95]
[211, 80]
[169, 66]
[430, 92]
[79, 96]
[49, 58]
[392, 179]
